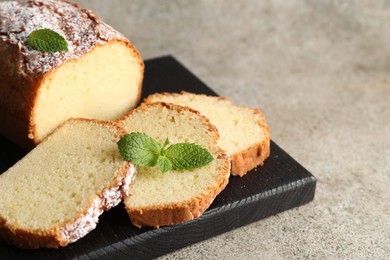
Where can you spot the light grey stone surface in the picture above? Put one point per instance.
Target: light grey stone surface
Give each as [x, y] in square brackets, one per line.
[320, 71]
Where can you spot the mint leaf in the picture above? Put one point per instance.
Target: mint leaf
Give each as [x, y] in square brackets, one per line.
[186, 156]
[47, 40]
[140, 149]
[164, 164]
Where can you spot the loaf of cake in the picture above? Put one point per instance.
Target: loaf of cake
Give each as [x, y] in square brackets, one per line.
[159, 199]
[56, 193]
[100, 76]
[243, 131]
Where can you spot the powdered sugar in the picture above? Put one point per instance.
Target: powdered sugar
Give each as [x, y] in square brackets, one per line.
[112, 197]
[80, 27]
[130, 176]
[84, 225]
[109, 198]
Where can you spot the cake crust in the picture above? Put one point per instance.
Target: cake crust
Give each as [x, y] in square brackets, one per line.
[178, 212]
[248, 159]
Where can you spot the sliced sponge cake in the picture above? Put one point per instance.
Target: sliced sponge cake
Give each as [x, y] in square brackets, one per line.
[55, 194]
[100, 75]
[159, 199]
[243, 131]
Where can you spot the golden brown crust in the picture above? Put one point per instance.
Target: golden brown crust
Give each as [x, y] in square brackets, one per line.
[108, 123]
[247, 159]
[253, 156]
[26, 239]
[144, 106]
[17, 94]
[141, 63]
[65, 233]
[150, 98]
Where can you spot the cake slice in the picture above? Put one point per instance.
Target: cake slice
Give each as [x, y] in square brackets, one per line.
[244, 135]
[159, 199]
[100, 76]
[56, 193]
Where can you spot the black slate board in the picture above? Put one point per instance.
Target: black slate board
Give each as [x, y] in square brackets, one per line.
[281, 184]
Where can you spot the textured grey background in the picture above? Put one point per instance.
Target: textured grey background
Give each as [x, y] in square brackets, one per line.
[320, 71]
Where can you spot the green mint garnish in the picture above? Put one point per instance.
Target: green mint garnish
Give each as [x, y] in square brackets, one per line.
[47, 40]
[143, 150]
[164, 163]
[184, 156]
[140, 149]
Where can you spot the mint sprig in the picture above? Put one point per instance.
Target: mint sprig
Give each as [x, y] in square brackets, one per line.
[185, 156]
[47, 40]
[142, 150]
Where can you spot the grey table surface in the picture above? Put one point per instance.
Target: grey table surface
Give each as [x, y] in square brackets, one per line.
[320, 72]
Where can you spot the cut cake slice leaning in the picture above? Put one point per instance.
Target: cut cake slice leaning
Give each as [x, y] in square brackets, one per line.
[244, 135]
[56, 193]
[159, 199]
